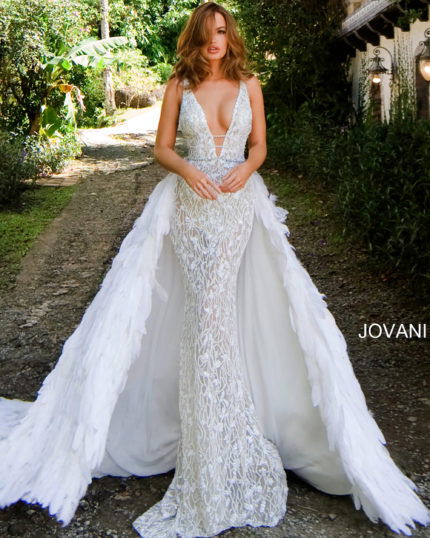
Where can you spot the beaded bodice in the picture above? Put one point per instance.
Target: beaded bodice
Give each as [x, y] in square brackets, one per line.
[201, 143]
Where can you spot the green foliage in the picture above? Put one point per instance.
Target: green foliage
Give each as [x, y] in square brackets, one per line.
[300, 140]
[14, 167]
[91, 52]
[51, 155]
[381, 177]
[411, 14]
[379, 172]
[383, 183]
[163, 71]
[152, 25]
[21, 224]
[37, 73]
[29, 157]
[293, 48]
[29, 32]
[134, 72]
[90, 81]
[44, 47]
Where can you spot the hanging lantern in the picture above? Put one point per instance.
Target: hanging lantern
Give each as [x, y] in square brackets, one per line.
[424, 57]
[376, 69]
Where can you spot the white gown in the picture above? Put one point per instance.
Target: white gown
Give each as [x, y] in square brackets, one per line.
[207, 349]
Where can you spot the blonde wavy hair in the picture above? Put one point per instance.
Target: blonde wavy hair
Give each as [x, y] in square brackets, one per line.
[192, 65]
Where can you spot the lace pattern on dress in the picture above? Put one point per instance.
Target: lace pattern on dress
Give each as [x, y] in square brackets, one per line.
[227, 473]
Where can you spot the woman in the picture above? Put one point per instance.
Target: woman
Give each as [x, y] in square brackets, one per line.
[208, 348]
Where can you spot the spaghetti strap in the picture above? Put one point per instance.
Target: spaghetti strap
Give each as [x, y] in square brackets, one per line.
[185, 85]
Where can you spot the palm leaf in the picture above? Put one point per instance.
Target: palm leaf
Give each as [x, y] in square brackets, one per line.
[96, 47]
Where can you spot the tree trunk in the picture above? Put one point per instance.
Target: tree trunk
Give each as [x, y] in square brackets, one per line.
[34, 123]
[107, 73]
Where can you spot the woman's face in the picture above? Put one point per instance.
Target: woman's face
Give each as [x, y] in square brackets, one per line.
[216, 48]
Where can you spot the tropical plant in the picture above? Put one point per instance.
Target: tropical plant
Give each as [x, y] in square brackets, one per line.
[90, 52]
[29, 31]
[40, 44]
[152, 25]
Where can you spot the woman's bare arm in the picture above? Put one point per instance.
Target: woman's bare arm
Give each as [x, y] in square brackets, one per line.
[165, 142]
[257, 138]
[167, 128]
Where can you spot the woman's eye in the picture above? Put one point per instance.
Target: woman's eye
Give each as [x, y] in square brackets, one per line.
[222, 31]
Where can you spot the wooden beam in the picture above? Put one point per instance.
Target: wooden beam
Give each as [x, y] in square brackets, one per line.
[369, 35]
[390, 16]
[381, 26]
[389, 22]
[382, 23]
[357, 41]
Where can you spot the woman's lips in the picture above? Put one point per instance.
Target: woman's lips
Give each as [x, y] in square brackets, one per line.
[213, 50]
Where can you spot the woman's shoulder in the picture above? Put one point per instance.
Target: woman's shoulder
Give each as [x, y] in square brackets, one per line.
[175, 84]
[174, 89]
[253, 85]
[252, 81]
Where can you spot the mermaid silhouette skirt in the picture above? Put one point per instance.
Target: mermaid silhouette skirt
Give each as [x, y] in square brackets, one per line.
[227, 473]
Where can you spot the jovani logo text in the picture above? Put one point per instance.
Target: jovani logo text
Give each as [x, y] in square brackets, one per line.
[393, 330]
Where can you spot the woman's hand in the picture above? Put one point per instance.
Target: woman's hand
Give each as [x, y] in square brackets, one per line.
[201, 184]
[236, 178]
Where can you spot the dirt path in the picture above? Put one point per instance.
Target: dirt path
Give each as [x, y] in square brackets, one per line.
[61, 275]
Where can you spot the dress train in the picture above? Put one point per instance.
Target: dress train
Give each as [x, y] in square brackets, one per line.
[111, 404]
[52, 448]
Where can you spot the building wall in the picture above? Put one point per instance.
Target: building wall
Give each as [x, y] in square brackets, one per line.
[407, 42]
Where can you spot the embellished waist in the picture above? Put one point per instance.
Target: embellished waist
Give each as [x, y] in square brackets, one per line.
[215, 160]
[215, 168]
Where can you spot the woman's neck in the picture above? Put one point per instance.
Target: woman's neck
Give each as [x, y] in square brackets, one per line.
[216, 72]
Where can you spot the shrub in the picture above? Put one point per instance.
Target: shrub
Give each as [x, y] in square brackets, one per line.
[163, 71]
[29, 157]
[301, 141]
[51, 155]
[380, 174]
[384, 190]
[14, 167]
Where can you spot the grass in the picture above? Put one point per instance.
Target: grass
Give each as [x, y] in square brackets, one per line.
[21, 225]
[315, 218]
[307, 203]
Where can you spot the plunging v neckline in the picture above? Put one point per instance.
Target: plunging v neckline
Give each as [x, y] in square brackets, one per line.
[233, 117]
